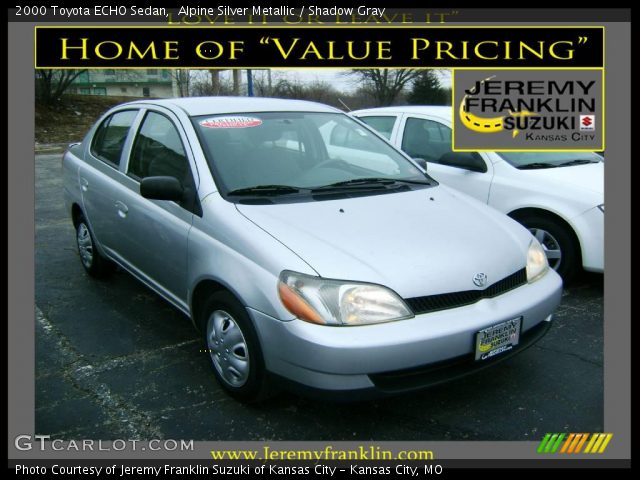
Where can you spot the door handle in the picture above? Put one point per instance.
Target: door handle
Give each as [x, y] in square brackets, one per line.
[84, 184]
[122, 209]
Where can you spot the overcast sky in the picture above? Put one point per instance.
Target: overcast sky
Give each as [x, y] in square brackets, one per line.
[338, 78]
[335, 77]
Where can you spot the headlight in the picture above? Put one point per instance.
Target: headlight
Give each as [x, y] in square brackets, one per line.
[537, 263]
[336, 302]
[601, 207]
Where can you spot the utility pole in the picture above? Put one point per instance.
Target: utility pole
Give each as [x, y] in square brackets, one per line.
[249, 83]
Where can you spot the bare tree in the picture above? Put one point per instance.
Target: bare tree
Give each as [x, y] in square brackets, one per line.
[182, 80]
[51, 84]
[216, 86]
[384, 84]
[206, 83]
[236, 82]
[215, 81]
[260, 87]
[263, 83]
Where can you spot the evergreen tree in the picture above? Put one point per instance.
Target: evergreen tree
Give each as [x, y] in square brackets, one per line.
[427, 90]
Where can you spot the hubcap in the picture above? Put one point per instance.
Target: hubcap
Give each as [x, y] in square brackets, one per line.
[228, 348]
[550, 245]
[85, 245]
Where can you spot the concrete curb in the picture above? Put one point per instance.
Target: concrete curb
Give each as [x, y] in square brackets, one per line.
[50, 147]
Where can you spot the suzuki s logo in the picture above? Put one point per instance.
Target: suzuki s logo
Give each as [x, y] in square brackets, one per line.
[480, 279]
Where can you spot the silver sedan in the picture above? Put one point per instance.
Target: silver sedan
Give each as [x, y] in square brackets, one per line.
[306, 249]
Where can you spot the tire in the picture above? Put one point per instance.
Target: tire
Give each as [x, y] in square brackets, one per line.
[94, 264]
[232, 343]
[560, 244]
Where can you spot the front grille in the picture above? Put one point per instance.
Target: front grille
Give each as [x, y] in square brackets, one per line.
[432, 303]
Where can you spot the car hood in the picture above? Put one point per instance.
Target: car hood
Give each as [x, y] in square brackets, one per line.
[419, 242]
[586, 177]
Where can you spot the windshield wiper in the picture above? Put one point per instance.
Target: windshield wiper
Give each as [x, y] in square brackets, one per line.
[266, 190]
[534, 165]
[367, 182]
[579, 161]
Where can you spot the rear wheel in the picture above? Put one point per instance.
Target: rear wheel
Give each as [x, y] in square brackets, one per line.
[559, 244]
[94, 263]
[232, 344]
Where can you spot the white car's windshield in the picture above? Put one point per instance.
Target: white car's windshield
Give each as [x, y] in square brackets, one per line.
[285, 153]
[534, 160]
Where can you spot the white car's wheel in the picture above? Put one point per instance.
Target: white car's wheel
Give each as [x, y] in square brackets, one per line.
[559, 244]
[550, 245]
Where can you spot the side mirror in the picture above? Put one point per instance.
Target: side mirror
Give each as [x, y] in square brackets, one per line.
[421, 161]
[161, 188]
[465, 160]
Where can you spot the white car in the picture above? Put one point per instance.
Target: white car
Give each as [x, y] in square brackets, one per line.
[559, 197]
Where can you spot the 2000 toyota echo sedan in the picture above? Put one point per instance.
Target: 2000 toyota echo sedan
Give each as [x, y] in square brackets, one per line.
[341, 270]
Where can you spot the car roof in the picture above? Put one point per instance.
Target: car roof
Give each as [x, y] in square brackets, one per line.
[215, 105]
[434, 110]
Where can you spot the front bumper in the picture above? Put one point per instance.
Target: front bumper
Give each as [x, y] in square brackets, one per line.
[373, 358]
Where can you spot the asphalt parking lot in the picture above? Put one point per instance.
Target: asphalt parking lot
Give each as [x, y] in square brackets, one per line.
[114, 360]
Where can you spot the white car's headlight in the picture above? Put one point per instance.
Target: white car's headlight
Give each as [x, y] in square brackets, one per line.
[336, 302]
[537, 263]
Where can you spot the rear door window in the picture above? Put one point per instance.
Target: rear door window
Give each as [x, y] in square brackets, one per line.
[382, 124]
[426, 139]
[109, 139]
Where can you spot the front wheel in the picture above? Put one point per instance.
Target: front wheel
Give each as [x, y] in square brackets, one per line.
[234, 349]
[559, 244]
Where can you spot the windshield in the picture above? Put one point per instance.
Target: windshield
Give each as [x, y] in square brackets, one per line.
[302, 153]
[549, 159]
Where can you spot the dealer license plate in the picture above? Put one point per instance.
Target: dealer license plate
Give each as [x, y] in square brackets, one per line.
[497, 339]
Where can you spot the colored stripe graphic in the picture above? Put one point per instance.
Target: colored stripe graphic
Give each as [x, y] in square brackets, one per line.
[565, 447]
[550, 443]
[598, 443]
[574, 442]
[584, 439]
[606, 442]
[543, 443]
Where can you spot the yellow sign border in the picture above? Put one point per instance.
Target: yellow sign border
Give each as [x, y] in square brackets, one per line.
[244, 67]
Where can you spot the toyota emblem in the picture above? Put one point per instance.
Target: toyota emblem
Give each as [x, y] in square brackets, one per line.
[480, 279]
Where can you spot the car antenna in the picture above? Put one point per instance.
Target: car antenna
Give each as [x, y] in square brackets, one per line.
[344, 104]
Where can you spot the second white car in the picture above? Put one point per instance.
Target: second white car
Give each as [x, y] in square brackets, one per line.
[559, 196]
